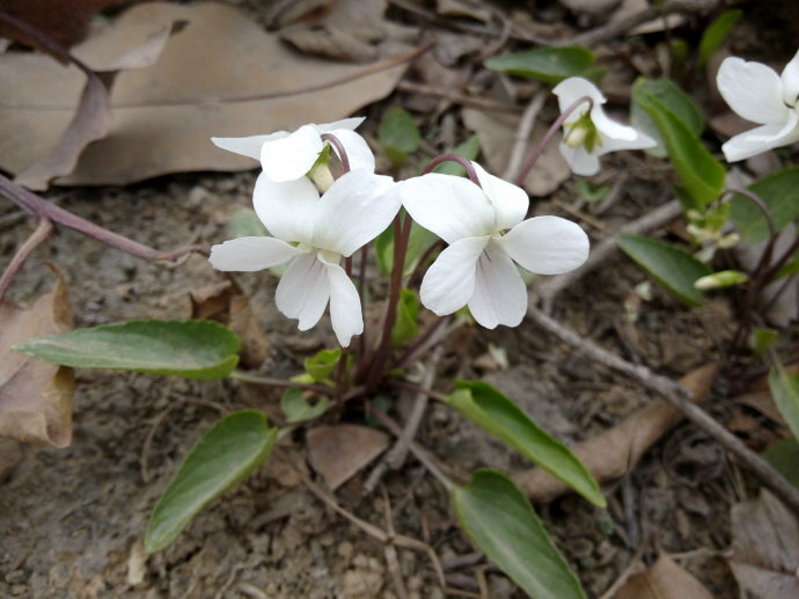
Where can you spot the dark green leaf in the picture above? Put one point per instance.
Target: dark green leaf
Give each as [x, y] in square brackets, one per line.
[785, 391]
[398, 134]
[499, 416]
[780, 193]
[406, 326]
[784, 456]
[701, 174]
[320, 366]
[547, 64]
[233, 448]
[197, 349]
[673, 268]
[668, 96]
[296, 407]
[716, 33]
[502, 523]
[469, 149]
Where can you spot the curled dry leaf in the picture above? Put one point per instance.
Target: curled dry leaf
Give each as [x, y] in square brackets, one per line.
[339, 452]
[611, 454]
[765, 543]
[665, 579]
[93, 119]
[35, 397]
[497, 133]
[226, 303]
[221, 75]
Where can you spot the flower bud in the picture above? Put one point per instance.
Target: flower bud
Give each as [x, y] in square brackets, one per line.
[723, 278]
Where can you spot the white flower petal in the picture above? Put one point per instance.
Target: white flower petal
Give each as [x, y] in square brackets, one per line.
[304, 290]
[790, 81]
[247, 254]
[636, 140]
[351, 123]
[547, 245]
[287, 209]
[572, 89]
[449, 282]
[293, 156]
[761, 139]
[247, 146]
[345, 305]
[356, 209]
[610, 129]
[500, 296]
[580, 161]
[451, 207]
[358, 152]
[753, 90]
[510, 202]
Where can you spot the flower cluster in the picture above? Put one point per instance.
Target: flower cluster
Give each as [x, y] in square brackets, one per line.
[316, 222]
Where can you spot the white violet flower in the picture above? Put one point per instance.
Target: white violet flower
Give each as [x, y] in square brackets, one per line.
[755, 92]
[484, 227]
[588, 134]
[313, 234]
[288, 156]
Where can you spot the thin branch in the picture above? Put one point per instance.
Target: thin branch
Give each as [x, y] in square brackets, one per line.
[549, 288]
[395, 457]
[678, 397]
[456, 97]
[526, 126]
[39, 235]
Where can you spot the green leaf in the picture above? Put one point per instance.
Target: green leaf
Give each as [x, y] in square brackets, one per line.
[320, 366]
[780, 193]
[785, 391]
[502, 523]
[245, 223]
[406, 326]
[762, 340]
[296, 407]
[668, 96]
[499, 416]
[195, 349]
[469, 149]
[226, 454]
[673, 268]
[716, 33]
[591, 193]
[550, 65]
[398, 134]
[419, 241]
[784, 456]
[701, 174]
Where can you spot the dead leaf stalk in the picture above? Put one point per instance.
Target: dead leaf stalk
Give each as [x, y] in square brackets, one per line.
[455, 97]
[678, 397]
[39, 235]
[522, 136]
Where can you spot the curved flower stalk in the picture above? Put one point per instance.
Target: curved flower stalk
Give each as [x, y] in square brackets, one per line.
[487, 236]
[313, 233]
[755, 92]
[288, 156]
[588, 133]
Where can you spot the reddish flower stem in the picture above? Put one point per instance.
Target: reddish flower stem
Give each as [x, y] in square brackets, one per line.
[553, 130]
[464, 162]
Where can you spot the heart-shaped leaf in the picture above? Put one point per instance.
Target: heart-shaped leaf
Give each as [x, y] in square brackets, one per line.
[226, 454]
[196, 349]
[780, 192]
[502, 523]
[550, 65]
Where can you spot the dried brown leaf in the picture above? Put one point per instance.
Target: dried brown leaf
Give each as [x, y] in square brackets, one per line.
[222, 75]
[611, 454]
[226, 303]
[497, 133]
[341, 451]
[35, 397]
[664, 580]
[765, 542]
